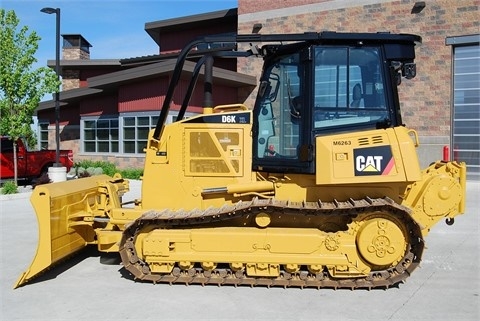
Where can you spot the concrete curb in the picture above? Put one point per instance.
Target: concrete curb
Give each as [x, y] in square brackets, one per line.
[9, 197]
[24, 192]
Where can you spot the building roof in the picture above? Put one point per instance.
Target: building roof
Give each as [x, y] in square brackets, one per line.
[156, 28]
[111, 81]
[69, 96]
[227, 77]
[85, 63]
[164, 56]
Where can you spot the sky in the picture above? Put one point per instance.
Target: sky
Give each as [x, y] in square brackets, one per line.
[114, 28]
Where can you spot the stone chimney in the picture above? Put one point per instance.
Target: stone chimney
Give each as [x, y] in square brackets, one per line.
[75, 47]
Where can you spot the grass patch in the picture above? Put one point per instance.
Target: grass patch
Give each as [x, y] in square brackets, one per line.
[9, 188]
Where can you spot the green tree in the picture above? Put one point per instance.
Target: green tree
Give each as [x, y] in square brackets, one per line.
[21, 86]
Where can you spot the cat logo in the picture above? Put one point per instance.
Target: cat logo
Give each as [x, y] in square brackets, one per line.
[373, 161]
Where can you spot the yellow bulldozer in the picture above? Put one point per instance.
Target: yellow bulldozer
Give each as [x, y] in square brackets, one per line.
[318, 185]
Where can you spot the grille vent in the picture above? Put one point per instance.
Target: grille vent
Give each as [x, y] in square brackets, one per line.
[370, 141]
[363, 141]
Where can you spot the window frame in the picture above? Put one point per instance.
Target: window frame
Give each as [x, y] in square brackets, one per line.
[96, 141]
[43, 143]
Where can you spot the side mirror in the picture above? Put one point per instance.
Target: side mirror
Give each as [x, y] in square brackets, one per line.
[409, 70]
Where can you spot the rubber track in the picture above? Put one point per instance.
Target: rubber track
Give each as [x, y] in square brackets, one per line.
[302, 279]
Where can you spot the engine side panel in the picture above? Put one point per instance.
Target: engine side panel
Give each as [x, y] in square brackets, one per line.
[210, 151]
[377, 156]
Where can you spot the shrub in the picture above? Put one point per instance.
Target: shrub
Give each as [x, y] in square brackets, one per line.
[86, 168]
[132, 173]
[9, 188]
[91, 167]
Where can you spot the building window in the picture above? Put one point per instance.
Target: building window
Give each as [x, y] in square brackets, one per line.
[466, 103]
[135, 132]
[100, 135]
[103, 134]
[43, 135]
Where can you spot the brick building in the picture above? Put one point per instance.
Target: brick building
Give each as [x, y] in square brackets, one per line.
[442, 103]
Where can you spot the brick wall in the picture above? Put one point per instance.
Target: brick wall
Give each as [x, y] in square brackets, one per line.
[248, 6]
[70, 79]
[121, 162]
[426, 99]
[74, 54]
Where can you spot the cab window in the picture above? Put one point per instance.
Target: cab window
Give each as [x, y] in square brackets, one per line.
[349, 88]
[279, 112]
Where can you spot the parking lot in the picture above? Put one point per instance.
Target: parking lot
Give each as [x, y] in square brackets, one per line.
[445, 287]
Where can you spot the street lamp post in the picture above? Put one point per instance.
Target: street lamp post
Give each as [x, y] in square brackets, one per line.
[57, 70]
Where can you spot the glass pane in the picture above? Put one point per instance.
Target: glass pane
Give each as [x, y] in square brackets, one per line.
[466, 124]
[330, 77]
[348, 91]
[467, 112]
[468, 143]
[143, 121]
[89, 124]
[114, 147]
[141, 145]
[129, 147]
[129, 133]
[7, 146]
[281, 108]
[89, 135]
[103, 147]
[103, 134]
[89, 146]
[129, 121]
[103, 123]
[467, 127]
[114, 134]
[142, 132]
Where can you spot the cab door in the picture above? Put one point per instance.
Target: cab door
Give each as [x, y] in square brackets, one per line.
[281, 132]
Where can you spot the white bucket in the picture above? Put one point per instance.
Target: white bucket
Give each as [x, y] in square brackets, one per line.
[57, 174]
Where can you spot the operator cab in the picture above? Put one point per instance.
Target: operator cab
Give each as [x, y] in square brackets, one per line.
[317, 88]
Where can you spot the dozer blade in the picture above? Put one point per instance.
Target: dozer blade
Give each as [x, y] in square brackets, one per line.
[60, 208]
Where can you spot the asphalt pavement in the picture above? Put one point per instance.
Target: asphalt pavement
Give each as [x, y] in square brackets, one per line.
[445, 287]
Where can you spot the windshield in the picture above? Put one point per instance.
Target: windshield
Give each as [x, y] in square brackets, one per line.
[349, 87]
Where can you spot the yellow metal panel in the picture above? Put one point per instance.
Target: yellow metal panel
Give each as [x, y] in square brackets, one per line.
[213, 152]
[57, 205]
[375, 156]
[175, 174]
